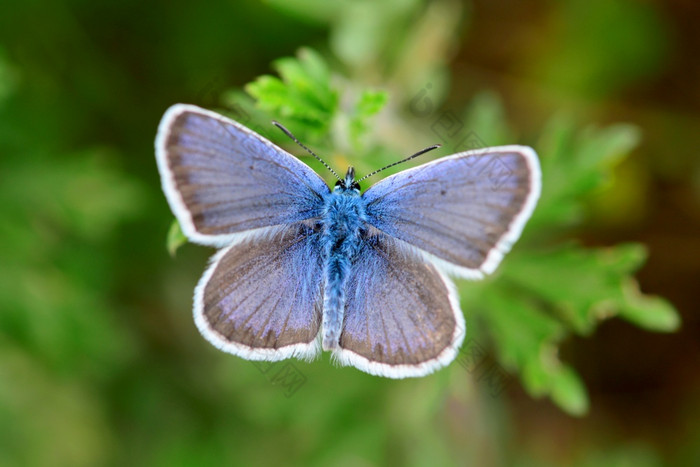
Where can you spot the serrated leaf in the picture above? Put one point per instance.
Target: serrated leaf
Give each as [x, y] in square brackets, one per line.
[175, 238]
[526, 340]
[316, 67]
[581, 285]
[301, 98]
[518, 328]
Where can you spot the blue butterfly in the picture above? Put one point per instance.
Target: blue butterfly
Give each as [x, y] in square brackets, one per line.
[303, 268]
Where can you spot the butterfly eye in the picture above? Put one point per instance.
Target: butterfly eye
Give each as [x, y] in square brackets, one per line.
[355, 186]
[339, 184]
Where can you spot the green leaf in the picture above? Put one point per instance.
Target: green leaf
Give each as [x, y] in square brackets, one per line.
[526, 340]
[302, 99]
[175, 238]
[581, 286]
[546, 375]
[569, 392]
[648, 312]
[518, 327]
[368, 105]
[574, 164]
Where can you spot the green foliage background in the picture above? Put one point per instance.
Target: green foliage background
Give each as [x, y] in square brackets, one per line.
[100, 362]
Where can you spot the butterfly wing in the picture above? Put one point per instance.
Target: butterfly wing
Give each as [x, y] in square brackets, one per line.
[224, 181]
[464, 211]
[402, 315]
[261, 299]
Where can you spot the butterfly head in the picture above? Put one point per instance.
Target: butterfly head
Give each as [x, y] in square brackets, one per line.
[348, 184]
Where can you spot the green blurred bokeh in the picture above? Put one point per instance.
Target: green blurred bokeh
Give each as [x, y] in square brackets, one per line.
[100, 361]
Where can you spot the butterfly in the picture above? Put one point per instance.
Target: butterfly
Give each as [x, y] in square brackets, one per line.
[303, 268]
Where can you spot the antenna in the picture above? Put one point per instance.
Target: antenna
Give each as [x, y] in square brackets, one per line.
[289, 133]
[430, 148]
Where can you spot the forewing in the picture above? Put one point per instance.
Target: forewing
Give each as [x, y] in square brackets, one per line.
[223, 180]
[465, 211]
[402, 316]
[261, 299]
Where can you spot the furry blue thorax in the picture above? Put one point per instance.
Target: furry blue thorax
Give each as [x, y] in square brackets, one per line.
[343, 220]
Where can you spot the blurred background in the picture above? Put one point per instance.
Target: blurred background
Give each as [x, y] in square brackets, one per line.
[566, 362]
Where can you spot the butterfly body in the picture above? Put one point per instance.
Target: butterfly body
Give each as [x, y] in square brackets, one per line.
[343, 226]
[302, 268]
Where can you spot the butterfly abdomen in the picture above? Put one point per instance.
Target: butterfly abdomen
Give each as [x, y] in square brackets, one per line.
[344, 216]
